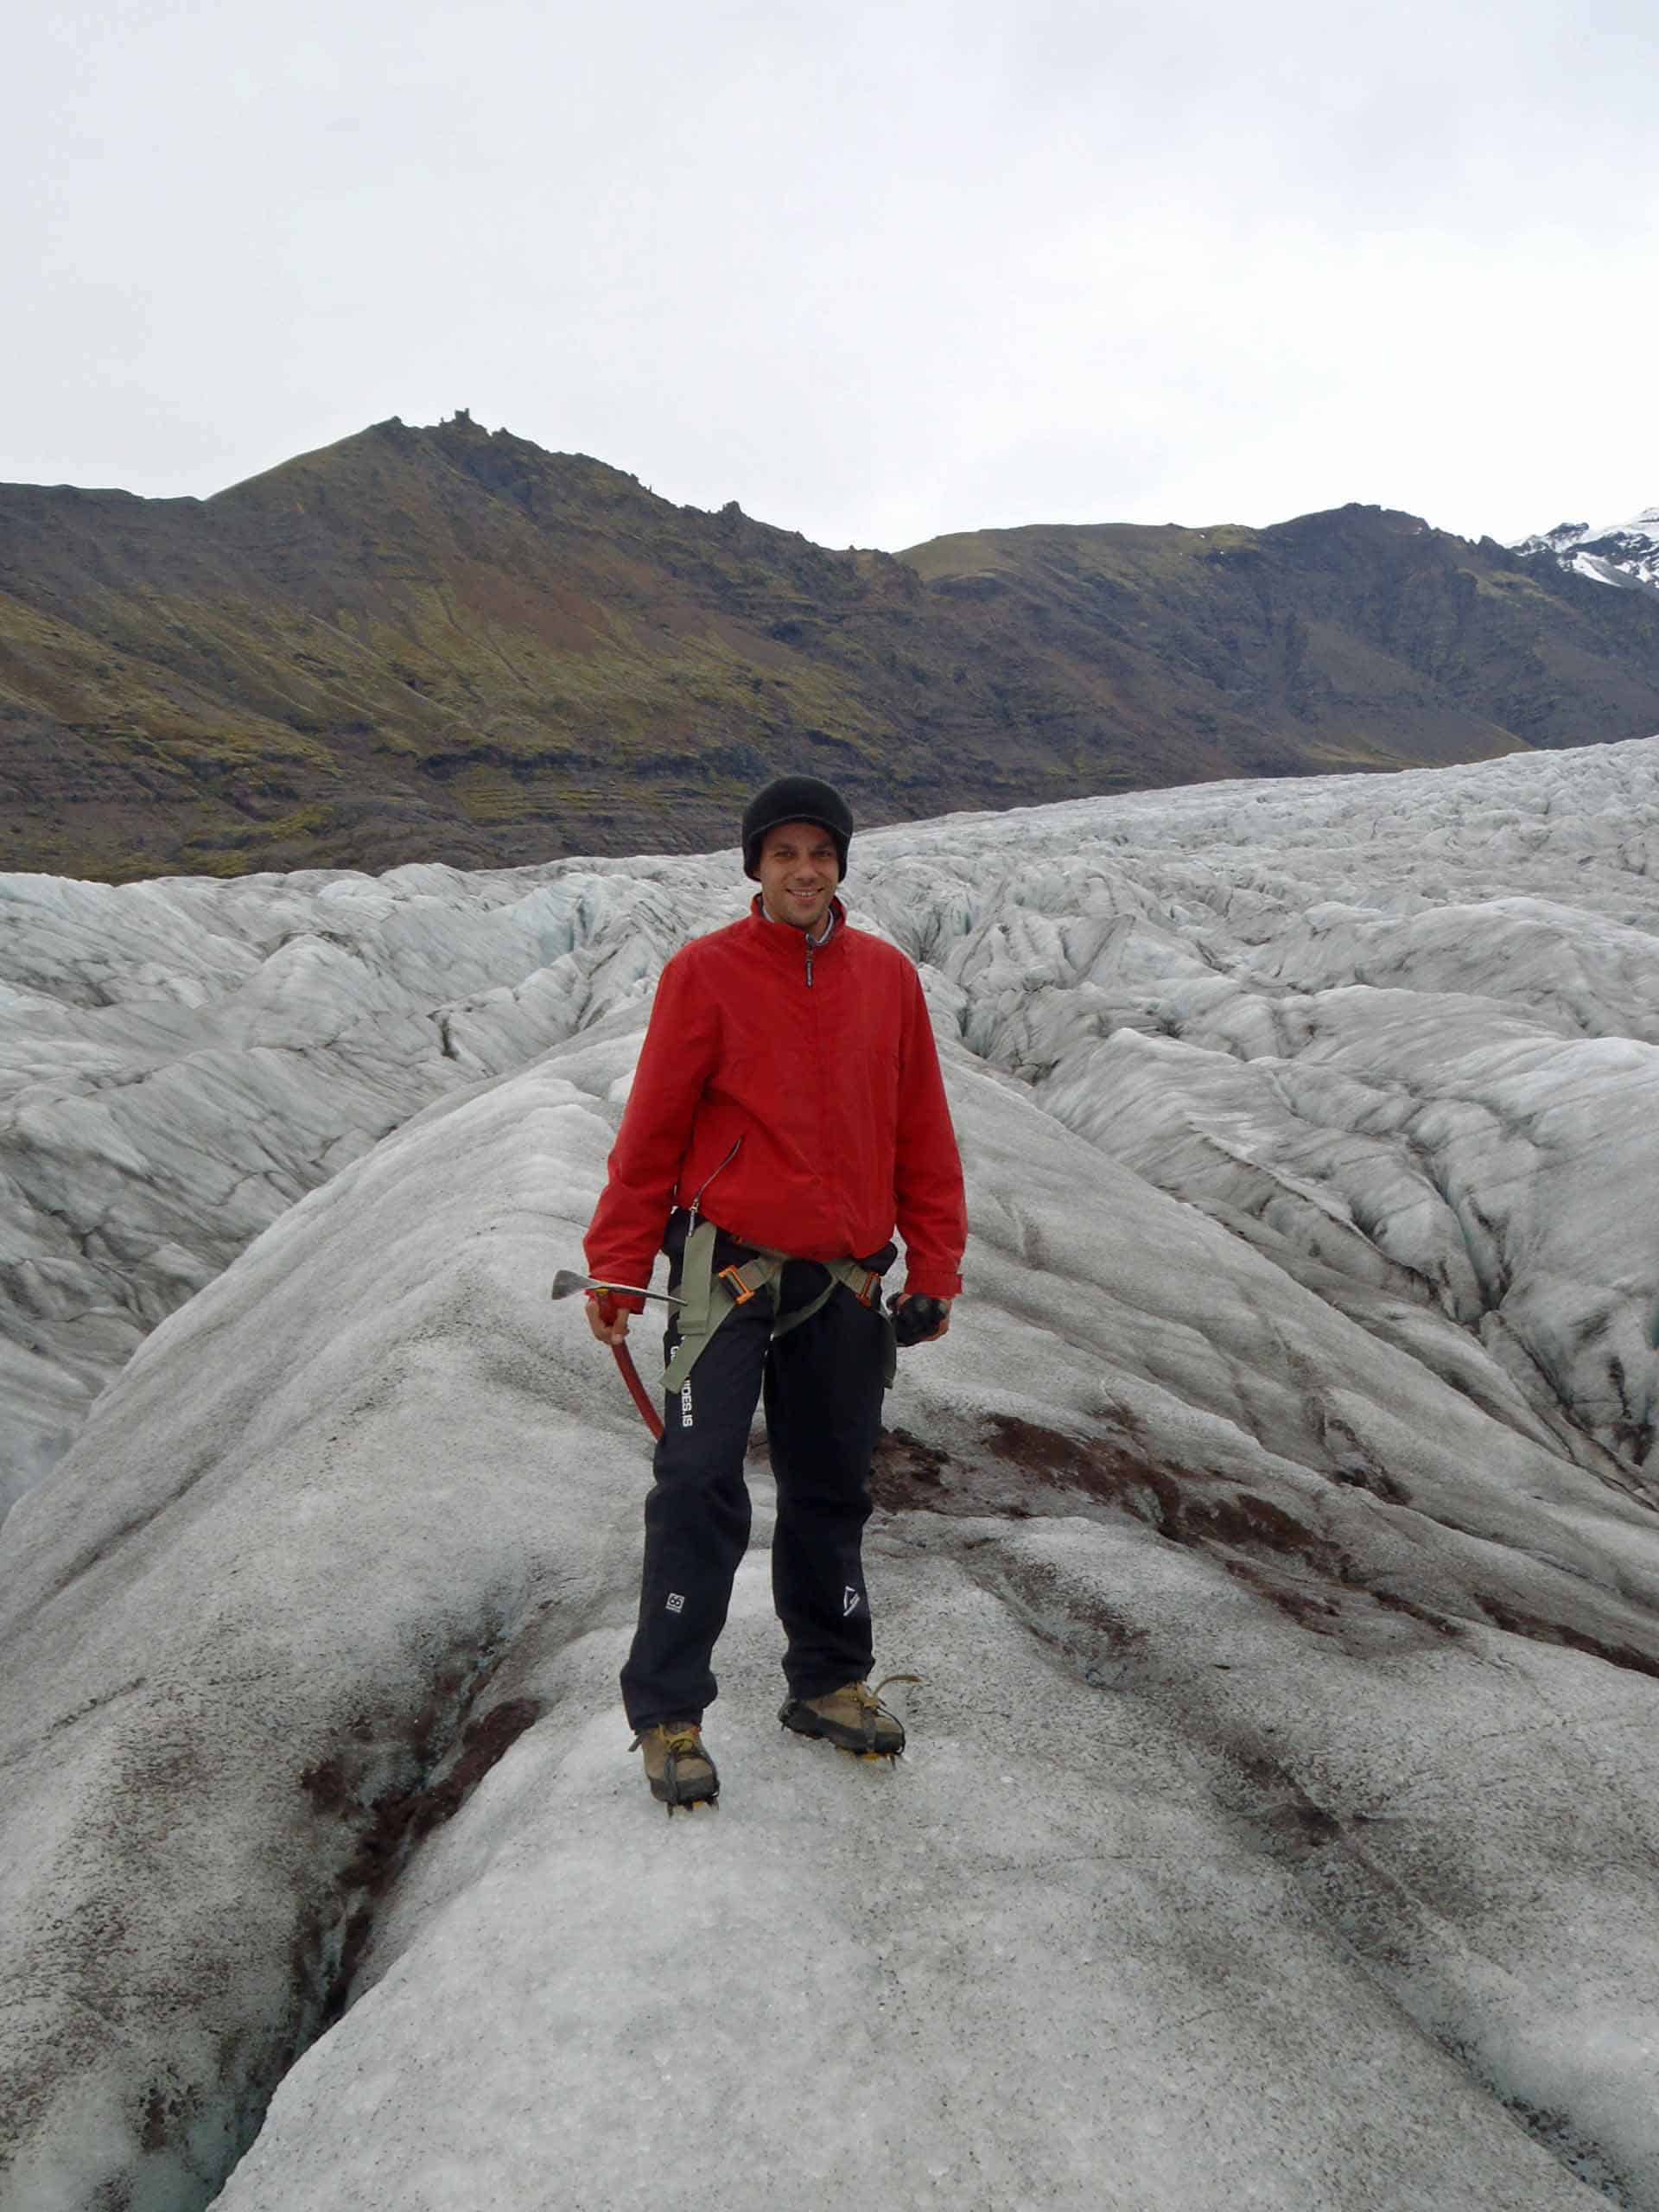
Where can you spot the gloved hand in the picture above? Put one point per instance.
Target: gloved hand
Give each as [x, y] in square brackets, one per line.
[917, 1319]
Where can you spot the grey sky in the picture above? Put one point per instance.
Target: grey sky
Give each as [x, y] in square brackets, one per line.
[876, 271]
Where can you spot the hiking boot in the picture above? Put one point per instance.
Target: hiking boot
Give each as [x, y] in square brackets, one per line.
[679, 1769]
[853, 1717]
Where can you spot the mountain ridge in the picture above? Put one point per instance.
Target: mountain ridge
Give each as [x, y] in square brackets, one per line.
[445, 643]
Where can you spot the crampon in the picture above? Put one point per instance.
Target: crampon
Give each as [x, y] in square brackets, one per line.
[852, 1718]
[677, 1766]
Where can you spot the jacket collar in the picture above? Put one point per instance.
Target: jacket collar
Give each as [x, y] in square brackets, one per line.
[783, 943]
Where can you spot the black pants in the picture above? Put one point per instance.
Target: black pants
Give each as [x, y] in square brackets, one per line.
[822, 1385]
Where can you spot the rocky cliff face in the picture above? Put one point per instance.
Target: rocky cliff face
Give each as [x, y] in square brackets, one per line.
[444, 643]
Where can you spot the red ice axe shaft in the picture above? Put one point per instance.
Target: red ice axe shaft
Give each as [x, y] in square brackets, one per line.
[637, 1390]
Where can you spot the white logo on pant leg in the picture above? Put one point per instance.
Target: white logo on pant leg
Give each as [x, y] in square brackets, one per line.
[676, 1603]
[685, 1406]
[848, 1601]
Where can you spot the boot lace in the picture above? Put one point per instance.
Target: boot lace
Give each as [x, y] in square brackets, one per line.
[866, 1695]
[677, 1743]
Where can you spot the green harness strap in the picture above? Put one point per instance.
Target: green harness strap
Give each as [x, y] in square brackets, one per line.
[707, 1298]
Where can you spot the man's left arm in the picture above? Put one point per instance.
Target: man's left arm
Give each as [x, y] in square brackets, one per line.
[928, 1196]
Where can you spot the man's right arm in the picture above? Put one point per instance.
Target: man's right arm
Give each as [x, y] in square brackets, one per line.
[927, 1166]
[678, 1056]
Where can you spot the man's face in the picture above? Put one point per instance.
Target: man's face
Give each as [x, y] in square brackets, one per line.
[798, 873]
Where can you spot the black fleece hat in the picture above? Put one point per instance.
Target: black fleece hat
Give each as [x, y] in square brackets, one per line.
[795, 798]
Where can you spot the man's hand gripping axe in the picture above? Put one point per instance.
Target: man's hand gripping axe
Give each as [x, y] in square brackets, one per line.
[566, 1283]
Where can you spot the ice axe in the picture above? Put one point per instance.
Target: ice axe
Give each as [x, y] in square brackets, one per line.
[566, 1284]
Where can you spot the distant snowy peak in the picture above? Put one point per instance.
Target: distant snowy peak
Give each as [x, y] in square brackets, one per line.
[1625, 553]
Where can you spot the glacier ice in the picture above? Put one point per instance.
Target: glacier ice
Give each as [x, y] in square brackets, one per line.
[1276, 1532]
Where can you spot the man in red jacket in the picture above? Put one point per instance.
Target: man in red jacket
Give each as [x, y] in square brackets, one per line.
[786, 1114]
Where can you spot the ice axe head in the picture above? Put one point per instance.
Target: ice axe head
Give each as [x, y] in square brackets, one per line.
[566, 1283]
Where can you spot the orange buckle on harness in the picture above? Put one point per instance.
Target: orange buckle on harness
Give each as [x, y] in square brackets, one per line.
[733, 1277]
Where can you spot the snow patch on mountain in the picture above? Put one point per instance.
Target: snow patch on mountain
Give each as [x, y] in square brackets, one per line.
[1625, 554]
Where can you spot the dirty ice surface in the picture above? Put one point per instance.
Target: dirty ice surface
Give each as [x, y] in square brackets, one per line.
[1276, 1532]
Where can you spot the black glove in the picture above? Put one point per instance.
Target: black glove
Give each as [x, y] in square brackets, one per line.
[918, 1318]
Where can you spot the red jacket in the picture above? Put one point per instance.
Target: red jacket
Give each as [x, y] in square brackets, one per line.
[794, 1093]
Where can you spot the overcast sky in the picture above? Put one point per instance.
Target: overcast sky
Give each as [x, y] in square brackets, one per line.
[875, 271]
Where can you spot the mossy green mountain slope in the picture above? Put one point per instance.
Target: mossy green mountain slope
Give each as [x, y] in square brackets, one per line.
[441, 643]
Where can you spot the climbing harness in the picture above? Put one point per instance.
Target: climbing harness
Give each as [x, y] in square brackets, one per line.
[709, 1296]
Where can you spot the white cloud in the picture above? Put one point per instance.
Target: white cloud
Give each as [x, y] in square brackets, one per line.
[874, 273]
